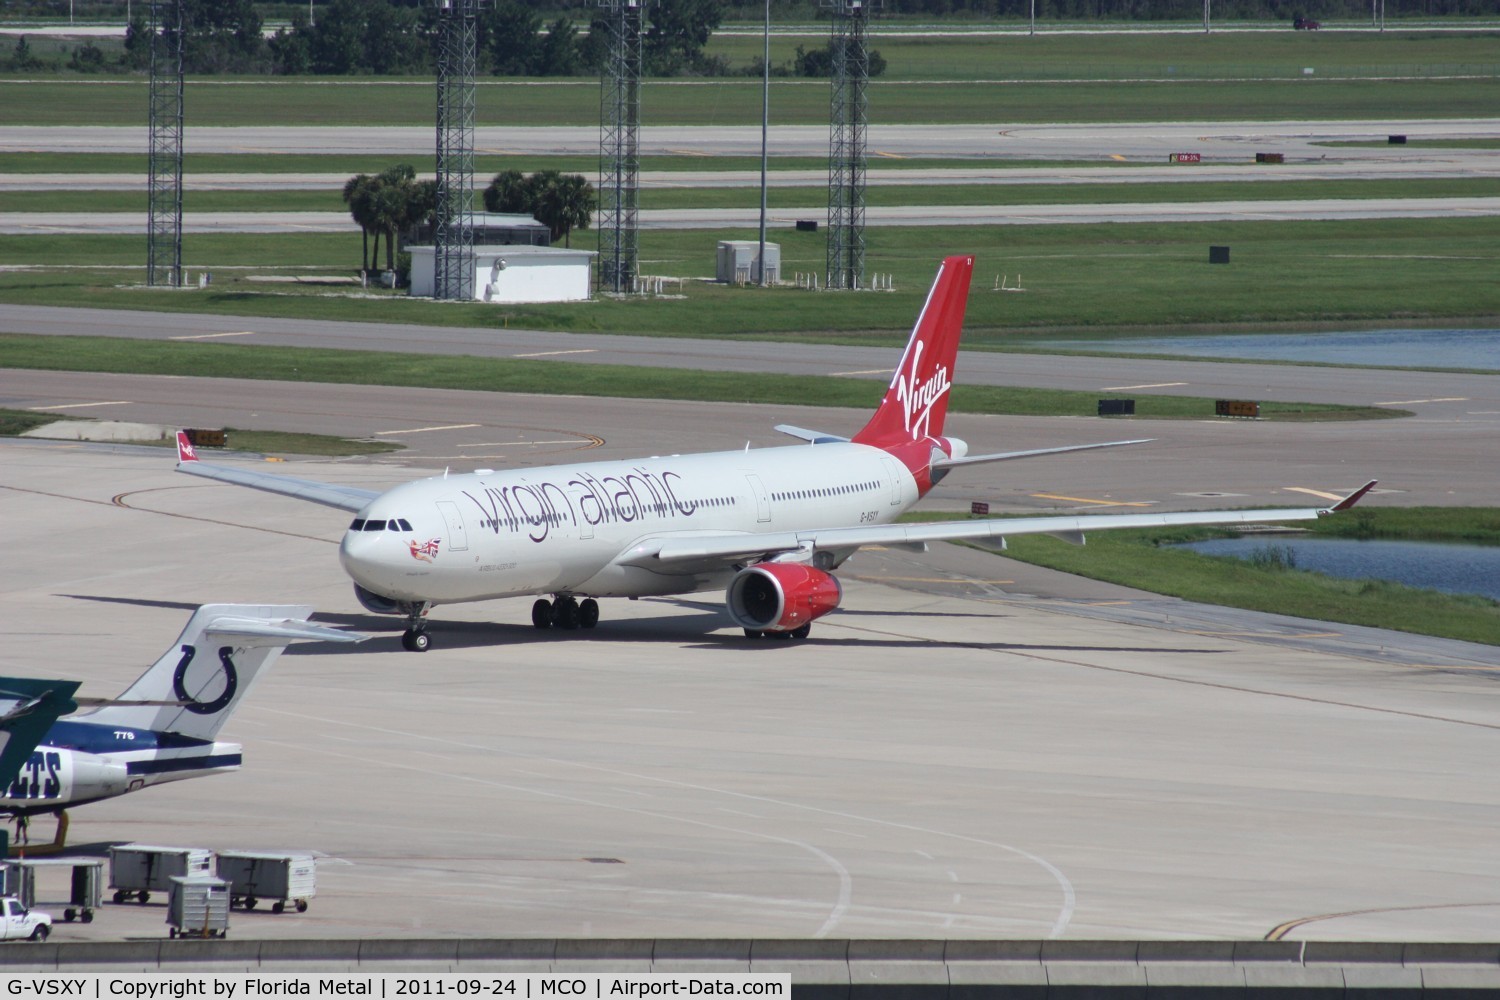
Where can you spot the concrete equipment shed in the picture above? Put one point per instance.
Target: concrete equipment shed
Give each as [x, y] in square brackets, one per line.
[736, 261]
[513, 274]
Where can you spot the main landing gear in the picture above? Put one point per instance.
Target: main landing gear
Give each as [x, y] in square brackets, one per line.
[566, 612]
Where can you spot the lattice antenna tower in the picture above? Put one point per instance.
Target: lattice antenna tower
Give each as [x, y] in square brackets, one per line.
[164, 160]
[849, 47]
[620, 147]
[457, 65]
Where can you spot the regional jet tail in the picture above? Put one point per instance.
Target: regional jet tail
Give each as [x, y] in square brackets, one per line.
[768, 526]
[160, 729]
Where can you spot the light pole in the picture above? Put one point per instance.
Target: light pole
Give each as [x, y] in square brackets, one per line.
[765, 120]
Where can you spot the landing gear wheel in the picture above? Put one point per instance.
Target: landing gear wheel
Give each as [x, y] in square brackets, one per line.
[541, 613]
[565, 613]
[69, 914]
[87, 916]
[588, 613]
[277, 906]
[143, 897]
[301, 905]
[415, 640]
[801, 632]
[250, 902]
[120, 896]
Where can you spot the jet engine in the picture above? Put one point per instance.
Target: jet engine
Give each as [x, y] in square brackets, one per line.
[378, 603]
[781, 597]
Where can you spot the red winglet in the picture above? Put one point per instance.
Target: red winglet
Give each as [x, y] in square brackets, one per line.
[185, 452]
[1353, 498]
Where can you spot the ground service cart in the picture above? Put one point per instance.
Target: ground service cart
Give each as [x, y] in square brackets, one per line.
[280, 877]
[138, 870]
[197, 906]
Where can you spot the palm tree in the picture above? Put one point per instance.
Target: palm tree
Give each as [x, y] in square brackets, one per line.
[562, 202]
[357, 195]
[508, 192]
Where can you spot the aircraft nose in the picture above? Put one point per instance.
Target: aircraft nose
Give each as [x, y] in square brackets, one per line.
[358, 553]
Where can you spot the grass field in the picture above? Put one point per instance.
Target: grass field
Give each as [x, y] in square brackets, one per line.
[1221, 76]
[1141, 559]
[815, 199]
[156, 357]
[1095, 279]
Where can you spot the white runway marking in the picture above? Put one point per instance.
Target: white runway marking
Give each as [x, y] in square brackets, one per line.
[1440, 399]
[545, 354]
[212, 336]
[79, 406]
[424, 430]
[1151, 385]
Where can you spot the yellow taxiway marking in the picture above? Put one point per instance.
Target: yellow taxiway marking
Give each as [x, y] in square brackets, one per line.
[872, 371]
[1097, 503]
[1117, 156]
[544, 354]
[424, 430]
[1151, 385]
[79, 406]
[1316, 493]
[212, 336]
[1440, 399]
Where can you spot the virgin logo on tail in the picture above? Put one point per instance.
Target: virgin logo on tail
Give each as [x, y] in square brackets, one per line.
[916, 400]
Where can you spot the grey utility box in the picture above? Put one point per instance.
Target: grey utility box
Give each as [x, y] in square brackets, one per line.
[278, 877]
[198, 906]
[736, 262]
[140, 869]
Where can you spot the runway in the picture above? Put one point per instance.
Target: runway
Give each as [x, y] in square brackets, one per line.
[928, 765]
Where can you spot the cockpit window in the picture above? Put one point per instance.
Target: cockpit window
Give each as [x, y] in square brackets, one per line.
[358, 524]
[405, 524]
[374, 525]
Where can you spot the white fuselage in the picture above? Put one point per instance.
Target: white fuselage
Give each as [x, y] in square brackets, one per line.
[61, 773]
[562, 529]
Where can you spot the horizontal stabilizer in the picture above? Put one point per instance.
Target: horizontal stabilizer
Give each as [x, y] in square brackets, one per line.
[949, 463]
[812, 437]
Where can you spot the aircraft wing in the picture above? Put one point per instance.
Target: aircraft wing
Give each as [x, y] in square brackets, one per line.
[28, 707]
[668, 552]
[328, 494]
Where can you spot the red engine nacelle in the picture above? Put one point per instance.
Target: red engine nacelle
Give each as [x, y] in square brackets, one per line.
[781, 597]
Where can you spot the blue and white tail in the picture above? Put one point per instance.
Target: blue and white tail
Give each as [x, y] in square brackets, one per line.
[198, 683]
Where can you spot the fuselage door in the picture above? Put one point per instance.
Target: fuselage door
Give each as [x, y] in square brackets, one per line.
[585, 527]
[762, 501]
[893, 471]
[458, 538]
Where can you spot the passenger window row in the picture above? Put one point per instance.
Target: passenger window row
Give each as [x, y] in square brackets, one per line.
[832, 491]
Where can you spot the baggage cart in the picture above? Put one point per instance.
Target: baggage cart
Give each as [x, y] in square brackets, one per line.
[197, 906]
[138, 870]
[279, 876]
[85, 883]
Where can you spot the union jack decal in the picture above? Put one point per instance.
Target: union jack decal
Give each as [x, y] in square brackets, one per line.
[425, 551]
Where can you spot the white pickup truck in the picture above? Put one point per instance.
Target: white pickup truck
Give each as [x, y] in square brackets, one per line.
[18, 922]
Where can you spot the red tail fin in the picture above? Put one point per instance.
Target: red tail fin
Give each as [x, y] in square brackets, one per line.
[916, 403]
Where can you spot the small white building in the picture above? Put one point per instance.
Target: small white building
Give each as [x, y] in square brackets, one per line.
[512, 274]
